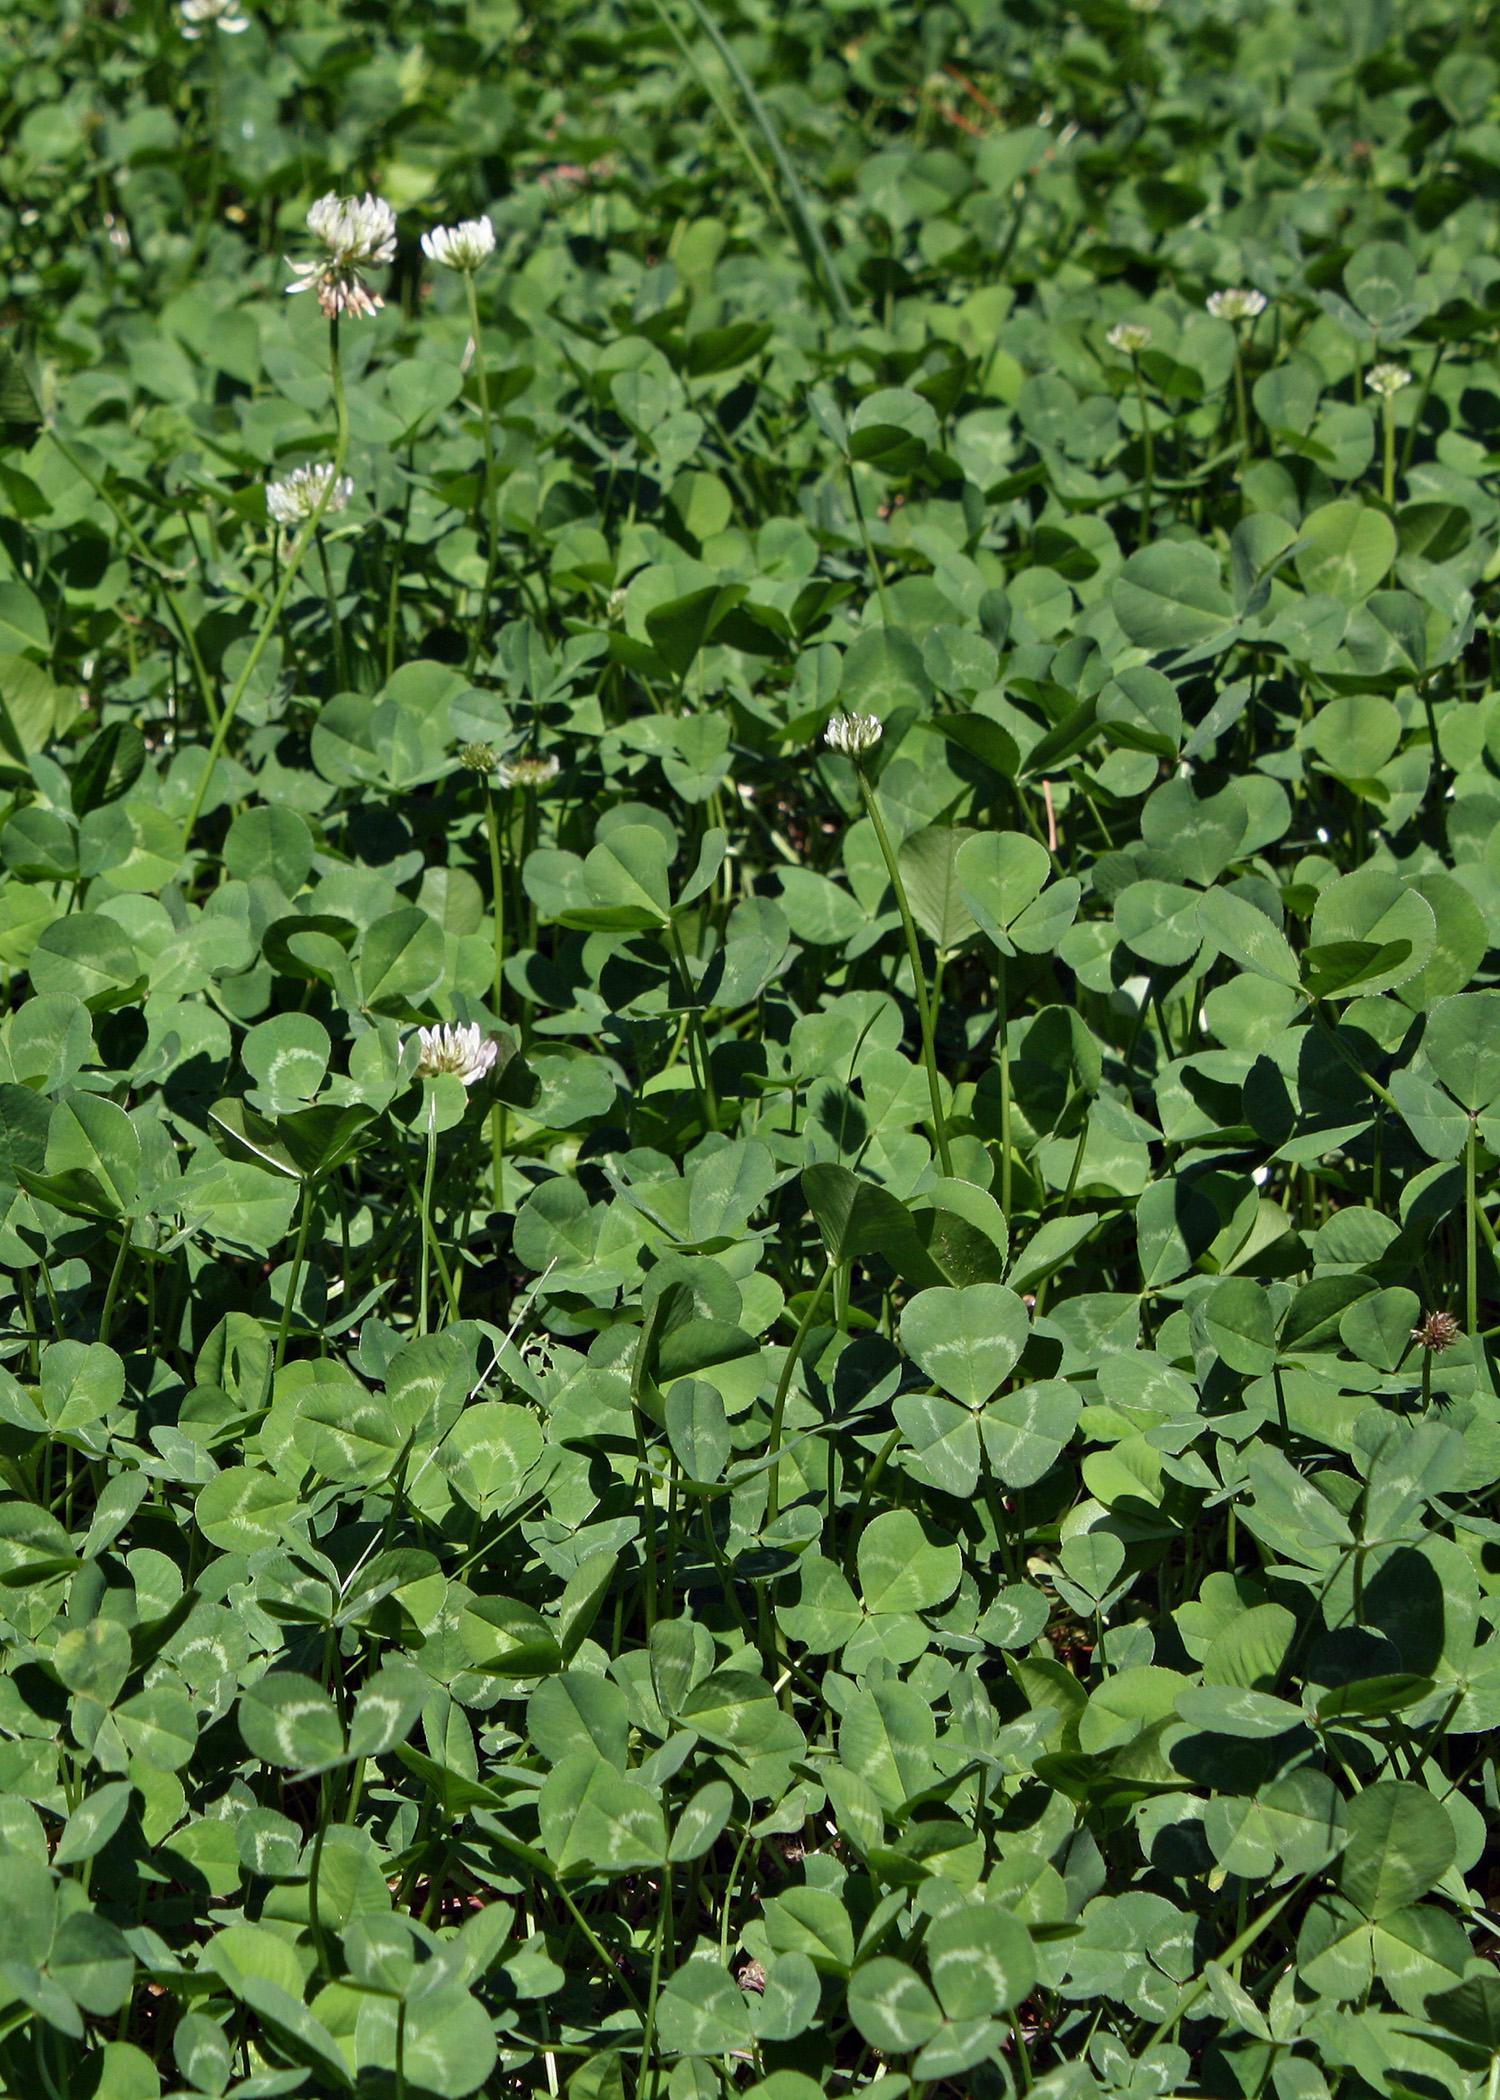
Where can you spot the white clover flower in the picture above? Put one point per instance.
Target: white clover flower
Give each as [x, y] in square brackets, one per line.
[293, 501]
[1387, 379]
[853, 735]
[1130, 336]
[528, 772]
[461, 247]
[464, 1050]
[357, 232]
[199, 16]
[1237, 304]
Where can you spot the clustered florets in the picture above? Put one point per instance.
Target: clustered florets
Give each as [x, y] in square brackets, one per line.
[1387, 379]
[356, 233]
[307, 490]
[1130, 336]
[461, 247]
[199, 16]
[461, 1048]
[528, 772]
[1436, 1331]
[853, 735]
[1237, 304]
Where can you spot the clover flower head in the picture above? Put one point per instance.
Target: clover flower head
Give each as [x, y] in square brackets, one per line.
[1132, 337]
[530, 773]
[1239, 303]
[853, 735]
[478, 758]
[1387, 379]
[462, 1049]
[294, 500]
[1436, 1331]
[461, 247]
[356, 233]
[199, 16]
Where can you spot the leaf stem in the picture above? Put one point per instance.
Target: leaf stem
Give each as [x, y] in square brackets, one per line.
[1002, 1003]
[1229, 1959]
[1471, 1243]
[696, 1034]
[783, 1387]
[869, 545]
[143, 552]
[295, 1279]
[106, 1318]
[340, 657]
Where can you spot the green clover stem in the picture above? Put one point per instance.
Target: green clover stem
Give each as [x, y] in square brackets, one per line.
[1148, 448]
[1003, 1059]
[491, 493]
[340, 655]
[295, 1277]
[1471, 1244]
[497, 885]
[269, 624]
[427, 1229]
[869, 545]
[147, 558]
[1241, 407]
[697, 1040]
[784, 1385]
[918, 971]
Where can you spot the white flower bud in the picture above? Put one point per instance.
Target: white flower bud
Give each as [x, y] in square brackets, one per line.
[527, 772]
[853, 735]
[1132, 337]
[461, 247]
[199, 16]
[293, 501]
[1386, 380]
[1237, 304]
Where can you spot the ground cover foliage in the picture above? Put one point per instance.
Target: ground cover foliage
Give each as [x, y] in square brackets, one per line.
[878, 1474]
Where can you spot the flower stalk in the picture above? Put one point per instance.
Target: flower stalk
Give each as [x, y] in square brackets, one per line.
[428, 1176]
[855, 736]
[1131, 338]
[269, 624]
[1237, 305]
[491, 494]
[465, 248]
[1387, 380]
[497, 885]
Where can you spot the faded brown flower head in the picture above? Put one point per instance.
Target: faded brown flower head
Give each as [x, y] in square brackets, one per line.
[750, 1976]
[1436, 1331]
